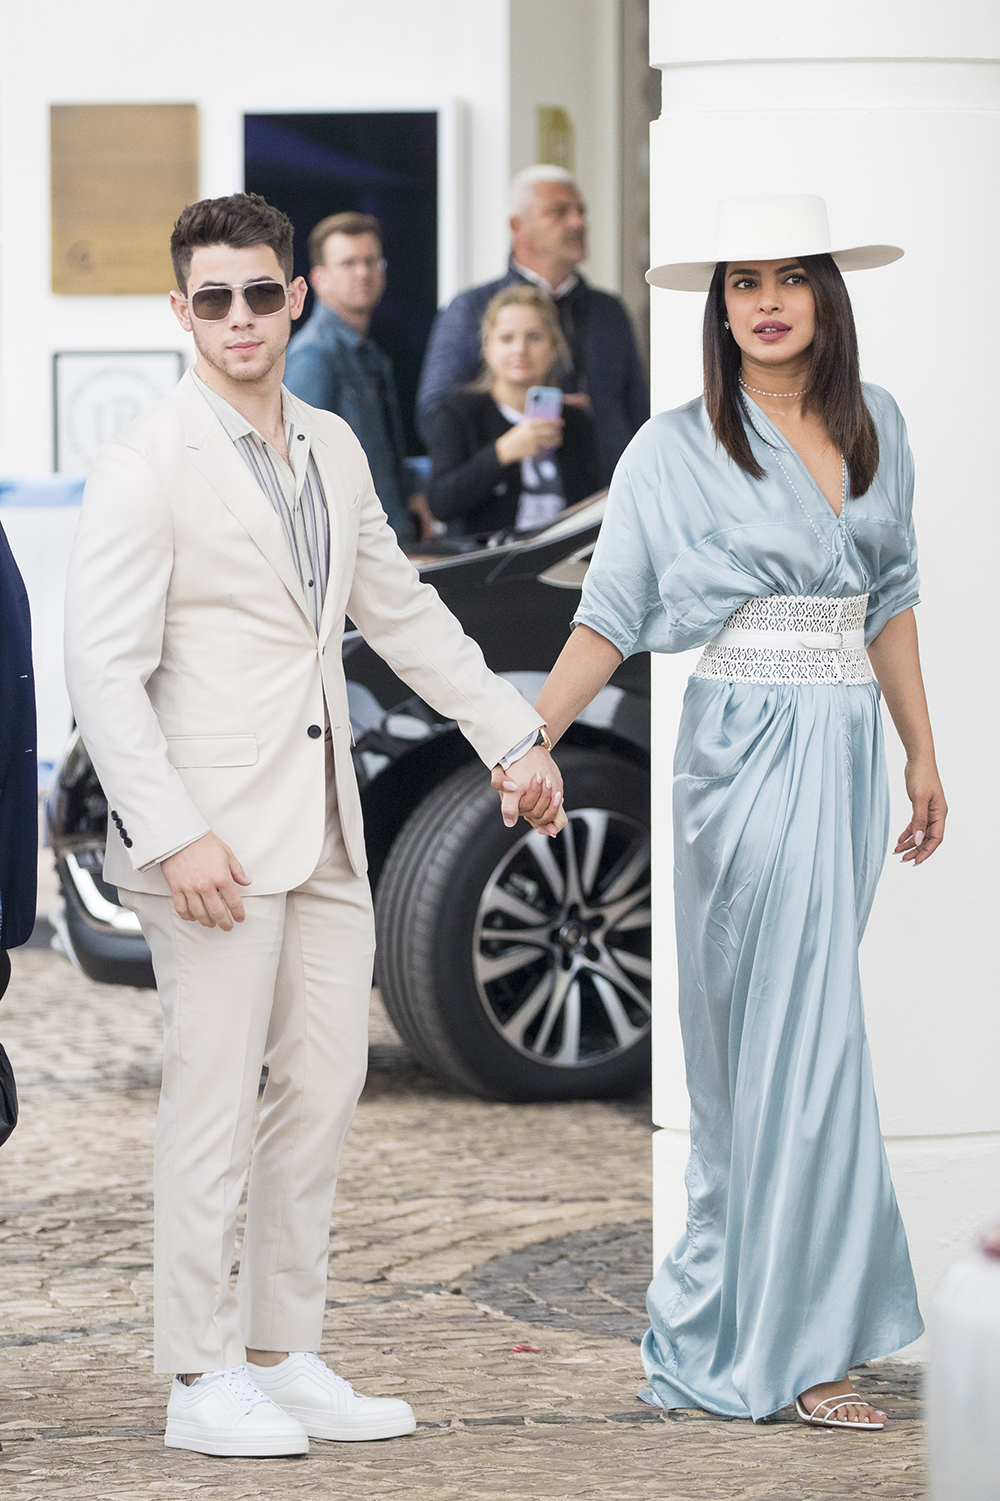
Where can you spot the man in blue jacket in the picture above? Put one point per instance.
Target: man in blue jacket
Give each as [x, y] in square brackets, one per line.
[18, 771]
[333, 364]
[548, 226]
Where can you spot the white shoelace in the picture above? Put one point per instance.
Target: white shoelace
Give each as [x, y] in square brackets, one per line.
[241, 1384]
[314, 1358]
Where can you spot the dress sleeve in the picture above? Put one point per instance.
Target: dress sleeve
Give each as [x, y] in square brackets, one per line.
[898, 584]
[621, 596]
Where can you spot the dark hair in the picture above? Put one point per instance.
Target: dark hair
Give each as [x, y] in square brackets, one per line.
[241, 220]
[348, 223]
[833, 388]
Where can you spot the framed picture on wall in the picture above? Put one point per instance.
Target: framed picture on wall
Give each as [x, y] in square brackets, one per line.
[97, 393]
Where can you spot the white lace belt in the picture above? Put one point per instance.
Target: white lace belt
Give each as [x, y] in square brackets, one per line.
[787, 638]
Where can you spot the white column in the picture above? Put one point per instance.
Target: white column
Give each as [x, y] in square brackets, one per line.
[890, 109]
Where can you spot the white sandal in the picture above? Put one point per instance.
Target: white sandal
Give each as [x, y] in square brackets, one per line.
[832, 1403]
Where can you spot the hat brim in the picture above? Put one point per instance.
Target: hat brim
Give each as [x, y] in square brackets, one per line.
[696, 276]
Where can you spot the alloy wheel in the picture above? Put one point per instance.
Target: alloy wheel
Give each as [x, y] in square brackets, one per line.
[562, 941]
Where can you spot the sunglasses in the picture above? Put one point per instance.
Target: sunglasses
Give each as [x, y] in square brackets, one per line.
[263, 298]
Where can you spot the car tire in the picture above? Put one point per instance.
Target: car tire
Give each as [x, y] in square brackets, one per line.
[471, 932]
[108, 957]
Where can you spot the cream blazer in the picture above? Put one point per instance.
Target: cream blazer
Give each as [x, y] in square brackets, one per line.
[195, 672]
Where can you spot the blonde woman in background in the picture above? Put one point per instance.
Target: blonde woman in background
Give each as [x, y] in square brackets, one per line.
[493, 468]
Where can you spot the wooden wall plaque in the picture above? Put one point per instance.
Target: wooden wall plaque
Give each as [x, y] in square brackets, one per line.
[121, 173]
[556, 137]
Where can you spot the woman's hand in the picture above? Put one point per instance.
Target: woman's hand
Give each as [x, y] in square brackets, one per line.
[527, 439]
[925, 830]
[896, 660]
[531, 787]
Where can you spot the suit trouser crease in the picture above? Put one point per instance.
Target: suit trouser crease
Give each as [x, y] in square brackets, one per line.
[289, 987]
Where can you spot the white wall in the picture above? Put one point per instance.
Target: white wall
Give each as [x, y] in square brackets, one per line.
[485, 64]
[228, 59]
[489, 57]
[567, 53]
[891, 111]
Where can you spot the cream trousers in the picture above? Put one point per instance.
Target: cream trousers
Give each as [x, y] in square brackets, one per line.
[288, 988]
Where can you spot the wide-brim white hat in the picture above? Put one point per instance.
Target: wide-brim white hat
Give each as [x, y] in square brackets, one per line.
[765, 228]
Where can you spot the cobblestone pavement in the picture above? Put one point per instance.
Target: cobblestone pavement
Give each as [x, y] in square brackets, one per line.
[463, 1229]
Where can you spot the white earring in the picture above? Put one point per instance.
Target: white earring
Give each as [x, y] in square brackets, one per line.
[725, 325]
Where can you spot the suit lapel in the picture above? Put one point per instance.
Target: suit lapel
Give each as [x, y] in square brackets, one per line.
[332, 493]
[332, 481]
[214, 455]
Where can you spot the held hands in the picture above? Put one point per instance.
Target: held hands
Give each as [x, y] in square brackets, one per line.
[527, 439]
[532, 788]
[203, 878]
[924, 832]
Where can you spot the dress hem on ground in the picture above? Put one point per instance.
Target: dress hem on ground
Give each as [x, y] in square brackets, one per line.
[689, 1400]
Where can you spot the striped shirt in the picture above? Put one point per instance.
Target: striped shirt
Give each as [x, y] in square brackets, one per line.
[293, 488]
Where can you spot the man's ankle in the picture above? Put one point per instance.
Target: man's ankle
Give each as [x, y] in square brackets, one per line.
[190, 1377]
[266, 1357]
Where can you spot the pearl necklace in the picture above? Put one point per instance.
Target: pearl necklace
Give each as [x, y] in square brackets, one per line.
[755, 392]
[841, 520]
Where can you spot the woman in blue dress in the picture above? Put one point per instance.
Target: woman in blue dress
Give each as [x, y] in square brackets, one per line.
[769, 522]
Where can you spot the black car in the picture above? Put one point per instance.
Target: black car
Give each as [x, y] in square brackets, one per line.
[513, 965]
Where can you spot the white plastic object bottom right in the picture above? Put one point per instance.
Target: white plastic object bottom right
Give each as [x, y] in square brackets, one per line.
[963, 1383]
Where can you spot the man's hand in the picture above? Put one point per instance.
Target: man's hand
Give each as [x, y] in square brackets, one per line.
[532, 788]
[203, 878]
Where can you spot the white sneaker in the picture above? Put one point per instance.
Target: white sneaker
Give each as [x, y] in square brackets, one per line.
[328, 1406]
[223, 1412]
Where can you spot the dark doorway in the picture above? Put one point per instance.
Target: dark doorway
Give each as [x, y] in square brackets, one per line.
[382, 163]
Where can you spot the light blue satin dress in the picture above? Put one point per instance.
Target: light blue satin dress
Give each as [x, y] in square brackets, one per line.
[794, 1265]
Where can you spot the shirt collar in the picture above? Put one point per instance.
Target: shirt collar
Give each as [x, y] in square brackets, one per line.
[556, 292]
[236, 425]
[338, 327]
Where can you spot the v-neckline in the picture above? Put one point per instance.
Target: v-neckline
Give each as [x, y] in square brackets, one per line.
[838, 516]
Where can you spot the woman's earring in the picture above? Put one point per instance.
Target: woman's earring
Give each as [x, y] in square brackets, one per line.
[725, 325]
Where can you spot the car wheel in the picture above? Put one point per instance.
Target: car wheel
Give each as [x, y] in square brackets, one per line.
[518, 966]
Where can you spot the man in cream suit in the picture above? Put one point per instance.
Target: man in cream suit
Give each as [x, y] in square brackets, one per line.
[223, 537]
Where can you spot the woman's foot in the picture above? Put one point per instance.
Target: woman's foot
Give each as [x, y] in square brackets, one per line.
[860, 1412]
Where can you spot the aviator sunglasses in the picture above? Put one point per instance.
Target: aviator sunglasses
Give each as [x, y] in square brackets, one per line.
[263, 298]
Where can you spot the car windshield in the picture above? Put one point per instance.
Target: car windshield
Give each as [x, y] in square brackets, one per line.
[585, 513]
[578, 518]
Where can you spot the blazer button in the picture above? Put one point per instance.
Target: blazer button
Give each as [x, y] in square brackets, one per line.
[128, 844]
[314, 732]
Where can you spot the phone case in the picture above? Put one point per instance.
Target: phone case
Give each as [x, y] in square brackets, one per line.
[543, 402]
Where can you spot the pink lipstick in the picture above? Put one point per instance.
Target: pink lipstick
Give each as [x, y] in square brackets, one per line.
[770, 330]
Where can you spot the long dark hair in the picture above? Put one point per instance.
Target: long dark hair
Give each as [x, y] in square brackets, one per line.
[833, 387]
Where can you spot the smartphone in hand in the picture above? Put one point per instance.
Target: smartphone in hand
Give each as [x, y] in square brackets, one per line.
[544, 403]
